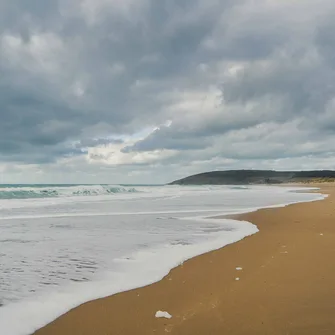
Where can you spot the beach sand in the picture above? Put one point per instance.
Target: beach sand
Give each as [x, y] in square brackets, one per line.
[286, 285]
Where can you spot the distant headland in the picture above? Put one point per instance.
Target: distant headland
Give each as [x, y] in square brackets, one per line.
[245, 177]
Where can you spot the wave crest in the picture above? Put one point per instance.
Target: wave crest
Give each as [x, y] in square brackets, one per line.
[33, 192]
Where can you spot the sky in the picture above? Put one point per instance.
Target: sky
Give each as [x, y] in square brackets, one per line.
[149, 91]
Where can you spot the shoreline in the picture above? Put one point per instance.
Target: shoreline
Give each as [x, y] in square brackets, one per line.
[186, 292]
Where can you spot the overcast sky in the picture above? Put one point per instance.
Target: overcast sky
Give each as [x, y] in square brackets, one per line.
[148, 91]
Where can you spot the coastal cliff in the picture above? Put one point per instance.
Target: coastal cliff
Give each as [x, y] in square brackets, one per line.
[245, 177]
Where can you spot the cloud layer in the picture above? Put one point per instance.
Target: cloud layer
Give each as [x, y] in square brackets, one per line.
[149, 91]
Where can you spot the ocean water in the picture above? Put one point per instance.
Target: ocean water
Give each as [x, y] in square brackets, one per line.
[62, 245]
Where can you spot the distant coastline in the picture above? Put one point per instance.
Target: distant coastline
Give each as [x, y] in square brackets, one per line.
[257, 177]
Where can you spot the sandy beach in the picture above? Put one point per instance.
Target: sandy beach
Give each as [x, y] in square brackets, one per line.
[284, 285]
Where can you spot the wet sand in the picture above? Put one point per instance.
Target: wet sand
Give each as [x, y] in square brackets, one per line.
[286, 285]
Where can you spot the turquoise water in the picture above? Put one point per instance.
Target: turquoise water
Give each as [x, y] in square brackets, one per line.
[33, 191]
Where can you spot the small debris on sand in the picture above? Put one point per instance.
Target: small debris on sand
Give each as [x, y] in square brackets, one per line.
[161, 314]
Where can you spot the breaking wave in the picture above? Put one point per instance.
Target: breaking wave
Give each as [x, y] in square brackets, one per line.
[45, 191]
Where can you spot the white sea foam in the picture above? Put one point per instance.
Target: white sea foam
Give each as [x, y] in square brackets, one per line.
[57, 253]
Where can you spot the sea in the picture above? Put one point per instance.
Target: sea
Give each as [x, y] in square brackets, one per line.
[63, 245]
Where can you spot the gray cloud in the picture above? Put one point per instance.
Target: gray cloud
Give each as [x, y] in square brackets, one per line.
[93, 142]
[74, 75]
